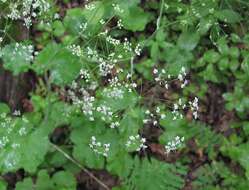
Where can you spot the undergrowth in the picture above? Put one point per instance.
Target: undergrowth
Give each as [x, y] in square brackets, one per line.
[109, 71]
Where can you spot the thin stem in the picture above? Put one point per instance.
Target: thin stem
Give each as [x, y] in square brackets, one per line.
[160, 16]
[132, 65]
[80, 166]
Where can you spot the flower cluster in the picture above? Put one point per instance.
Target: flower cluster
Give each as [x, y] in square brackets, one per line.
[174, 144]
[194, 107]
[106, 114]
[27, 10]
[127, 45]
[135, 143]
[85, 75]
[117, 8]
[105, 111]
[90, 6]
[82, 95]
[177, 107]
[114, 124]
[182, 77]
[138, 50]
[22, 51]
[7, 124]
[153, 117]
[114, 92]
[161, 78]
[75, 50]
[164, 79]
[98, 147]
[119, 24]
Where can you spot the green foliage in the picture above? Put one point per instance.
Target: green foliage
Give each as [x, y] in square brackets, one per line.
[164, 175]
[3, 185]
[228, 16]
[63, 65]
[109, 74]
[17, 57]
[60, 180]
[217, 172]
[188, 40]
[19, 141]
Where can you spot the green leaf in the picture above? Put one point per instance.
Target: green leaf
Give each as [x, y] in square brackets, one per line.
[120, 164]
[223, 47]
[188, 40]
[3, 185]
[25, 184]
[173, 128]
[58, 28]
[228, 16]
[135, 19]
[154, 50]
[211, 56]
[128, 100]
[4, 108]
[63, 66]
[176, 59]
[205, 24]
[73, 20]
[131, 122]
[239, 153]
[164, 175]
[223, 64]
[145, 68]
[20, 143]
[64, 180]
[44, 182]
[77, 17]
[17, 57]
[210, 74]
[234, 52]
[81, 137]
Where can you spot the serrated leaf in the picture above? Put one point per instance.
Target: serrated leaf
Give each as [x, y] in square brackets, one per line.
[64, 180]
[131, 122]
[77, 17]
[81, 137]
[25, 184]
[35, 144]
[164, 175]
[44, 182]
[127, 100]
[120, 164]
[19, 142]
[63, 66]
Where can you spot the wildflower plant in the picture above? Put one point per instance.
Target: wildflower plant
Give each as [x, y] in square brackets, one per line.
[91, 64]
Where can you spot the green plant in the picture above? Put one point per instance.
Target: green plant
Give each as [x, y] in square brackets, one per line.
[106, 71]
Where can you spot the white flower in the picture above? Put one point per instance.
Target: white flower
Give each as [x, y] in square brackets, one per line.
[174, 144]
[117, 8]
[138, 50]
[98, 147]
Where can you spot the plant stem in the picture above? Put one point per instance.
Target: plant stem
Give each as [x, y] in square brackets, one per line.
[80, 166]
[158, 22]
